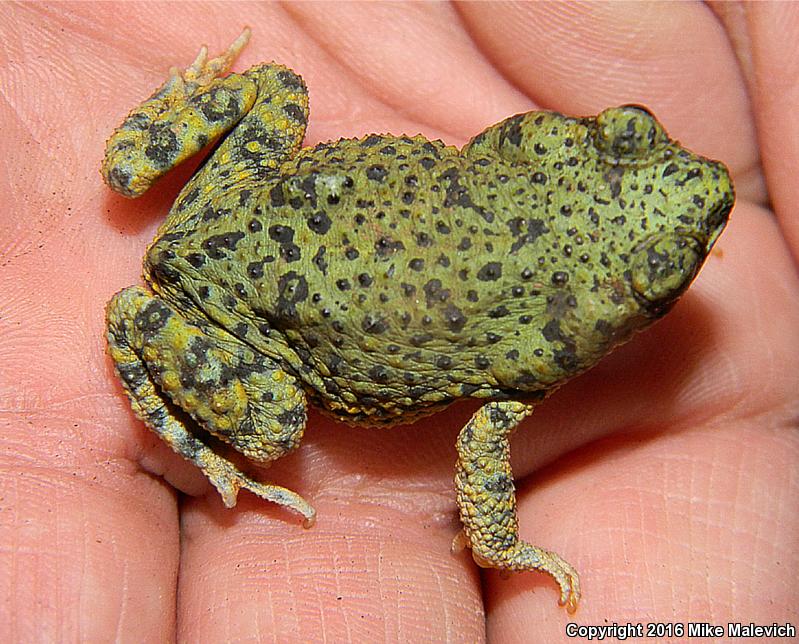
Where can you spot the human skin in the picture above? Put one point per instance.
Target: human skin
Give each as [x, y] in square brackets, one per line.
[666, 475]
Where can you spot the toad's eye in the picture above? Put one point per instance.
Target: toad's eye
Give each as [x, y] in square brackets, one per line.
[628, 132]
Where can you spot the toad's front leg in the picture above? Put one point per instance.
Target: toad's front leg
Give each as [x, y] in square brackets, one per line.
[487, 500]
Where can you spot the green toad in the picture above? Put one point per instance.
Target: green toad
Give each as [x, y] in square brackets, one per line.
[381, 279]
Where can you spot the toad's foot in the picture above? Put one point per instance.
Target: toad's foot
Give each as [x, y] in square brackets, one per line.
[202, 71]
[190, 110]
[523, 556]
[487, 501]
[228, 480]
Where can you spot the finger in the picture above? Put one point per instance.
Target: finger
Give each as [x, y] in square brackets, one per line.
[376, 566]
[415, 60]
[772, 52]
[89, 541]
[694, 526]
[581, 58]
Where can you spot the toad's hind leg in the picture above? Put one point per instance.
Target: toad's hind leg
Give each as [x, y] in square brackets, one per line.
[239, 396]
[265, 109]
[487, 501]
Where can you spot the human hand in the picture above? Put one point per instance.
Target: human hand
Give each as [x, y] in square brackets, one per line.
[664, 475]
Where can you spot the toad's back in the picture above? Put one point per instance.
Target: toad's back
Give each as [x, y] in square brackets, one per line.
[387, 268]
